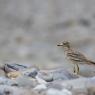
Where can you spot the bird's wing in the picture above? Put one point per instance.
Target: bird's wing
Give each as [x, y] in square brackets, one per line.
[76, 56]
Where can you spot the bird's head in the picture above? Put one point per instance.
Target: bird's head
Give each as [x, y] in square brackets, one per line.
[65, 44]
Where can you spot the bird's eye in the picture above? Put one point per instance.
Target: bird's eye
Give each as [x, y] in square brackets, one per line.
[64, 43]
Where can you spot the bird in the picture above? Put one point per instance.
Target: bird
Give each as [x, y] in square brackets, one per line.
[74, 56]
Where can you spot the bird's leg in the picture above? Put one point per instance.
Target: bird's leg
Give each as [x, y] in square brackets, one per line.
[77, 68]
[74, 69]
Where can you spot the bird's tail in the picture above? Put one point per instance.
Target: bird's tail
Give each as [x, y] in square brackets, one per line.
[91, 62]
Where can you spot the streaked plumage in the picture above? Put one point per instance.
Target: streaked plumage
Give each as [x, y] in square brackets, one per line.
[74, 56]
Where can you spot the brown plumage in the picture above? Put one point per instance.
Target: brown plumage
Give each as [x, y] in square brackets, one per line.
[74, 56]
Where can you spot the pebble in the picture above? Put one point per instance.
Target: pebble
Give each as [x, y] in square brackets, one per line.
[91, 90]
[8, 90]
[14, 67]
[53, 91]
[31, 72]
[62, 74]
[48, 77]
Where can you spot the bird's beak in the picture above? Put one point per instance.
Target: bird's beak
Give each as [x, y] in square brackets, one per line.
[60, 44]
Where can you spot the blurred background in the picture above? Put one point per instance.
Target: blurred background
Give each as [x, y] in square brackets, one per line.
[31, 29]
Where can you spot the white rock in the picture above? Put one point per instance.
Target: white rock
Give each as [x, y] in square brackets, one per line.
[66, 92]
[41, 81]
[40, 87]
[58, 92]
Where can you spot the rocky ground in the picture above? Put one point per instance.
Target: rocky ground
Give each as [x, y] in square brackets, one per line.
[30, 61]
[18, 79]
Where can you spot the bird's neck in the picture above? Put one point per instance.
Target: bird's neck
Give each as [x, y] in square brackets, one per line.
[67, 49]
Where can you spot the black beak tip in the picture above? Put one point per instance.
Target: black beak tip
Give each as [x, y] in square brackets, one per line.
[59, 45]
